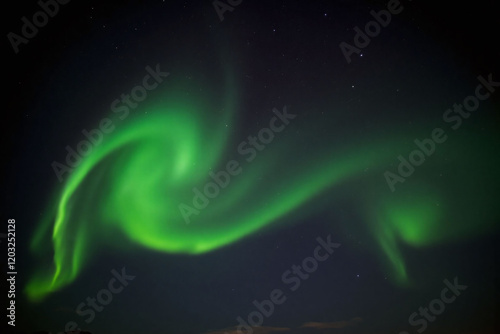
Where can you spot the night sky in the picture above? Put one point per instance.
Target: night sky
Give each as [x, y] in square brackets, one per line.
[252, 167]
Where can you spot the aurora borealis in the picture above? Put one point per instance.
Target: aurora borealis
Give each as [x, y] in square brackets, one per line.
[252, 147]
[418, 214]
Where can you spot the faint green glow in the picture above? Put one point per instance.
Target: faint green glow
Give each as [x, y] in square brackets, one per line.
[131, 186]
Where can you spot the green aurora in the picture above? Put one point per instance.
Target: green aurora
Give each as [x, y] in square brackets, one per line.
[127, 191]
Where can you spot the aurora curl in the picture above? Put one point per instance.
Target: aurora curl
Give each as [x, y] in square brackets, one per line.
[127, 191]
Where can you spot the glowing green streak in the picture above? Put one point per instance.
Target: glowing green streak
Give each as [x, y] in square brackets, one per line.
[134, 181]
